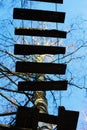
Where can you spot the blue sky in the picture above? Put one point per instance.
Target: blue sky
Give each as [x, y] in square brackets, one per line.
[76, 8]
[73, 9]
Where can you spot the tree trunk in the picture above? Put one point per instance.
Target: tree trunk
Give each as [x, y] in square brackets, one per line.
[41, 103]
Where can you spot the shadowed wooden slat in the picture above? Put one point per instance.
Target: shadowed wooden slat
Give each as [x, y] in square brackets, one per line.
[33, 67]
[21, 49]
[38, 15]
[53, 1]
[67, 119]
[42, 85]
[29, 116]
[40, 32]
[48, 118]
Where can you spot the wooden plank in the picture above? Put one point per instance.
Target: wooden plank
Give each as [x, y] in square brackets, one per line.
[40, 32]
[42, 85]
[67, 119]
[38, 15]
[53, 1]
[27, 117]
[21, 49]
[48, 118]
[33, 67]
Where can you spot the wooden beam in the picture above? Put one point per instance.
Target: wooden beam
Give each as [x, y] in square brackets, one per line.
[29, 116]
[53, 1]
[40, 32]
[67, 119]
[38, 15]
[48, 118]
[42, 85]
[21, 49]
[33, 67]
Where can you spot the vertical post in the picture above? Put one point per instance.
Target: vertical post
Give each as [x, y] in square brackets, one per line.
[41, 103]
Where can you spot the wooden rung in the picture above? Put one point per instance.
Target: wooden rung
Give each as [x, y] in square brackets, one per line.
[53, 1]
[21, 49]
[33, 67]
[29, 116]
[67, 120]
[42, 85]
[48, 118]
[38, 15]
[40, 32]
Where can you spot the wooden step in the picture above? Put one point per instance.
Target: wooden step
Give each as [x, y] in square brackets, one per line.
[38, 15]
[42, 85]
[27, 117]
[67, 119]
[40, 32]
[33, 67]
[21, 49]
[48, 118]
[53, 1]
